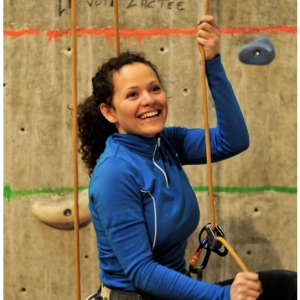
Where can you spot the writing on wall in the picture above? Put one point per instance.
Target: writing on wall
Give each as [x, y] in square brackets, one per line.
[167, 4]
[179, 5]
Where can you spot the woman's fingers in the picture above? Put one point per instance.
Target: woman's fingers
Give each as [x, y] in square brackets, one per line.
[208, 36]
[208, 19]
[246, 285]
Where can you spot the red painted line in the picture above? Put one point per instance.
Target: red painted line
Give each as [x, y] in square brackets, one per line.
[139, 34]
[21, 32]
[245, 30]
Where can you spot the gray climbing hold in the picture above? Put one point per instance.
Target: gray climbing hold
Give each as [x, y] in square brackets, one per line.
[258, 52]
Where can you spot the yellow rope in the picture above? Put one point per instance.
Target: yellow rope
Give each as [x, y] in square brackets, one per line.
[116, 25]
[75, 141]
[233, 253]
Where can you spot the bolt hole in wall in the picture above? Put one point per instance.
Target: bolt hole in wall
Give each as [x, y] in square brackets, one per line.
[68, 212]
[23, 290]
[67, 51]
[249, 252]
[185, 91]
[256, 211]
[163, 50]
[86, 256]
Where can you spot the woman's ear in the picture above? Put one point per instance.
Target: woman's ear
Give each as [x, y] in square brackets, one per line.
[107, 112]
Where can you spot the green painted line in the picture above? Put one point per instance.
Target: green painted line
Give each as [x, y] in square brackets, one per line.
[8, 193]
[292, 190]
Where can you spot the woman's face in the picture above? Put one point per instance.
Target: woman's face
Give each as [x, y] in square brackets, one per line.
[139, 102]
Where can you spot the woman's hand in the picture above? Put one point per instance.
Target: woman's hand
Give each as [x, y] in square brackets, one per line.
[246, 286]
[208, 36]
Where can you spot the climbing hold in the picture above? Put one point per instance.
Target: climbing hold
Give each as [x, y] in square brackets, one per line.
[258, 52]
[60, 214]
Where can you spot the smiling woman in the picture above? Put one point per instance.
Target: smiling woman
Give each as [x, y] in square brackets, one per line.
[139, 103]
[121, 102]
[142, 204]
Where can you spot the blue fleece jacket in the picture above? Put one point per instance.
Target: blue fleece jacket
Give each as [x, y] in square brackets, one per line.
[144, 208]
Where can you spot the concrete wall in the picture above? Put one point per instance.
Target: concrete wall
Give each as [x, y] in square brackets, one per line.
[259, 224]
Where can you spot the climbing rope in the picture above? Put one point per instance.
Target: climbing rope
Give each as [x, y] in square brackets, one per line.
[116, 25]
[215, 236]
[75, 141]
[233, 254]
[206, 128]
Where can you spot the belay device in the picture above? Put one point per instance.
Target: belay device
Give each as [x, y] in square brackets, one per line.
[211, 244]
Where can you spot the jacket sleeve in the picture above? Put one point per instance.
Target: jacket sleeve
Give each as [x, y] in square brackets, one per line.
[229, 138]
[117, 202]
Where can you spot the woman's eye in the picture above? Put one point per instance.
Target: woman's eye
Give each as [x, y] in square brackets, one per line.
[156, 88]
[130, 95]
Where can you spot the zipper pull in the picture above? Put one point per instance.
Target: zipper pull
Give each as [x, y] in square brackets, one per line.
[158, 141]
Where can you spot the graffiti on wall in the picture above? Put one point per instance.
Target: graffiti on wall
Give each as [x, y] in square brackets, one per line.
[179, 5]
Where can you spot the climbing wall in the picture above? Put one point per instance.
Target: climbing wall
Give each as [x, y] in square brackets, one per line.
[255, 192]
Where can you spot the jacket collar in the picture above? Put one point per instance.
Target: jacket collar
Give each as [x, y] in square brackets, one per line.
[137, 144]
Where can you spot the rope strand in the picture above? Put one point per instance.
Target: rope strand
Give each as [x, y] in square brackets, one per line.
[208, 158]
[206, 129]
[75, 141]
[116, 25]
[233, 254]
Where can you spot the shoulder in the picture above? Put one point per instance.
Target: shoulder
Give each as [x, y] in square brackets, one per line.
[114, 167]
[112, 181]
[174, 133]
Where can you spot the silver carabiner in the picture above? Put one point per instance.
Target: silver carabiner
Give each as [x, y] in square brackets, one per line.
[96, 296]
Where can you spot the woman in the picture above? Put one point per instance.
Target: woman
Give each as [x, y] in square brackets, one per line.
[143, 207]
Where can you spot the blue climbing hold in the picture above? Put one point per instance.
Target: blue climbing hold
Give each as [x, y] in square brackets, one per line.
[258, 52]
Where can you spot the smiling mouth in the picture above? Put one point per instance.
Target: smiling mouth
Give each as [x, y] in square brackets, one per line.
[150, 115]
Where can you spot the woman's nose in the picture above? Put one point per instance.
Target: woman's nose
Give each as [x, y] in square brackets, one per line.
[147, 99]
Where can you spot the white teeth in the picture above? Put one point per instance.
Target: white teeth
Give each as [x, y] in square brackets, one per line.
[149, 115]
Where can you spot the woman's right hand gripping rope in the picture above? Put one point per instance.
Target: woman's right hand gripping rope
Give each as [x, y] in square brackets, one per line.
[246, 286]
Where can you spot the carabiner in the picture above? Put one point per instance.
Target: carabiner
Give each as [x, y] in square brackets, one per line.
[212, 235]
[96, 295]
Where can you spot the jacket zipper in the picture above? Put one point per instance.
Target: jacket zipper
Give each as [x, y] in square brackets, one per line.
[158, 144]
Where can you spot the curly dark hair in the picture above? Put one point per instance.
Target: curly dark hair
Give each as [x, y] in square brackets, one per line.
[93, 128]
